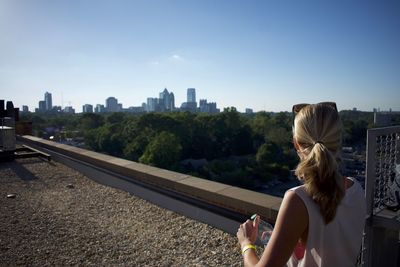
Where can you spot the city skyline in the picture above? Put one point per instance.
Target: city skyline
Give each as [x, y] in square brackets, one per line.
[262, 55]
[165, 102]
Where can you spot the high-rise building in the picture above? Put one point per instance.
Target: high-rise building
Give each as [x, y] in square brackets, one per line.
[249, 111]
[191, 104]
[87, 108]
[208, 107]
[111, 104]
[151, 104]
[191, 95]
[56, 109]
[137, 109]
[213, 107]
[42, 106]
[203, 105]
[69, 109]
[166, 101]
[48, 101]
[171, 101]
[25, 109]
[99, 108]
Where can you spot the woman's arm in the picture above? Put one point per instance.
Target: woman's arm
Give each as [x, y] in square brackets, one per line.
[291, 223]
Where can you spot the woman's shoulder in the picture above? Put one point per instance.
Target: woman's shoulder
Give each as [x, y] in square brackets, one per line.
[293, 198]
[355, 193]
[298, 190]
[303, 196]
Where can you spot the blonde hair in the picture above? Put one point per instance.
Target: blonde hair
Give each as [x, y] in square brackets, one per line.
[317, 130]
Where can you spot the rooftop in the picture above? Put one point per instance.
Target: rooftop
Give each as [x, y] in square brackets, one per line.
[60, 217]
[98, 225]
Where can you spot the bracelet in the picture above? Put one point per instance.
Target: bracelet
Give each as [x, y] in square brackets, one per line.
[247, 247]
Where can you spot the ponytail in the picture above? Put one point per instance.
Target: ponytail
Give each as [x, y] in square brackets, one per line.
[320, 174]
[317, 131]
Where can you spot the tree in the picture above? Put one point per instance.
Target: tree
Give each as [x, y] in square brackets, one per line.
[355, 132]
[90, 121]
[267, 153]
[280, 136]
[135, 148]
[115, 117]
[109, 141]
[271, 162]
[260, 125]
[91, 139]
[163, 151]
[229, 172]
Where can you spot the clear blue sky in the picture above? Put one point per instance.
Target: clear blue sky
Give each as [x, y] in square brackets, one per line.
[265, 55]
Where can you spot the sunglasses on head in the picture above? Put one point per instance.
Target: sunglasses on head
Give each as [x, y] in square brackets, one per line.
[296, 108]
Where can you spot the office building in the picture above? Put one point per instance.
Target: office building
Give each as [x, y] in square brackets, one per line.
[87, 108]
[151, 104]
[138, 109]
[172, 101]
[69, 109]
[208, 107]
[99, 108]
[249, 111]
[48, 101]
[25, 109]
[203, 105]
[191, 95]
[191, 104]
[166, 101]
[112, 104]
[42, 106]
[56, 109]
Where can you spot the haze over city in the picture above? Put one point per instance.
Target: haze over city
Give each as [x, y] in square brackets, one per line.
[264, 55]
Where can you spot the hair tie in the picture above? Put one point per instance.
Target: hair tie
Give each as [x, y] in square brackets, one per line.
[318, 142]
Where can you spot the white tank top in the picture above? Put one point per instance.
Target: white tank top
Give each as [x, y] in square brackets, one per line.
[339, 242]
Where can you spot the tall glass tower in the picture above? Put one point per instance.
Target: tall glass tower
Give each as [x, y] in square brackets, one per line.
[165, 100]
[48, 101]
[191, 95]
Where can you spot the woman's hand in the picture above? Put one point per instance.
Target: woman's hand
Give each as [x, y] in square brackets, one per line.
[247, 232]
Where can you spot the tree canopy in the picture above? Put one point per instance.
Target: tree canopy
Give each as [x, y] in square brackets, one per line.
[237, 149]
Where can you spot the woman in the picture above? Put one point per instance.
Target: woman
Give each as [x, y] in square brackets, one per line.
[321, 222]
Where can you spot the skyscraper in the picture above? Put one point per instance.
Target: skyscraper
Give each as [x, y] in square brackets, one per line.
[191, 95]
[164, 100]
[167, 101]
[191, 104]
[48, 101]
[171, 101]
[151, 104]
[87, 108]
[208, 107]
[42, 106]
[111, 104]
[203, 105]
[99, 108]
[69, 109]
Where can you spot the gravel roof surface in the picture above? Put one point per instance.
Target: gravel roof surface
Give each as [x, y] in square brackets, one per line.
[60, 217]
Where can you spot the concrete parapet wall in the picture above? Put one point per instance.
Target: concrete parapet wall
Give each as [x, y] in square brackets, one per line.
[229, 197]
